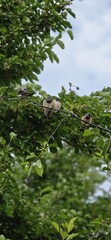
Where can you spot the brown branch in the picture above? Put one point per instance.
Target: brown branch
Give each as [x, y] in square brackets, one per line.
[71, 113]
[75, 116]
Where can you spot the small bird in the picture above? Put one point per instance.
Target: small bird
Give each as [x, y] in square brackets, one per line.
[47, 106]
[88, 119]
[24, 93]
[56, 104]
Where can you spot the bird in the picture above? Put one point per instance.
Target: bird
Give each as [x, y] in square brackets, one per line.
[24, 93]
[56, 104]
[88, 119]
[47, 106]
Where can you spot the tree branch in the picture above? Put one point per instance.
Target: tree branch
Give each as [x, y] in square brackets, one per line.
[74, 115]
[68, 112]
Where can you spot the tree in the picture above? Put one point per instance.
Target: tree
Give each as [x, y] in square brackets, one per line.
[49, 168]
[29, 30]
[69, 175]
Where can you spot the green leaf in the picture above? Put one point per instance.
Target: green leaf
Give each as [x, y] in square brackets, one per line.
[29, 171]
[71, 12]
[63, 234]
[70, 33]
[46, 190]
[9, 209]
[3, 29]
[107, 114]
[95, 139]
[73, 235]
[39, 168]
[100, 142]
[56, 226]
[32, 155]
[12, 136]
[24, 163]
[70, 227]
[1, 55]
[106, 147]
[26, 20]
[72, 220]
[2, 237]
[56, 58]
[87, 133]
[44, 144]
[71, 224]
[2, 141]
[60, 43]
[98, 154]
[50, 55]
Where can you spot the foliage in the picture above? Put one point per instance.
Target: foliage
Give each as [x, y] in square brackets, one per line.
[50, 170]
[3, 238]
[22, 135]
[29, 30]
[65, 228]
[69, 161]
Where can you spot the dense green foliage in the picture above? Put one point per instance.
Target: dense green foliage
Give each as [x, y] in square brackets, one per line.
[50, 170]
[69, 160]
[28, 31]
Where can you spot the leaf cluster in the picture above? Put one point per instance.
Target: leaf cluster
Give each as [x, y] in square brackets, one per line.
[28, 32]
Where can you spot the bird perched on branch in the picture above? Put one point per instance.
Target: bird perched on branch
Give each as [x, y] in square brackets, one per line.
[88, 119]
[24, 93]
[56, 104]
[49, 105]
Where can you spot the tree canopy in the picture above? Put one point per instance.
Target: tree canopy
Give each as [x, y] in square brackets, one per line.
[50, 169]
[29, 30]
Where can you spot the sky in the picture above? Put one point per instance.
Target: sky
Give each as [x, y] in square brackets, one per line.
[86, 60]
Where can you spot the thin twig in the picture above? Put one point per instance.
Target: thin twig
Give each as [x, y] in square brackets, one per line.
[56, 128]
[44, 147]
